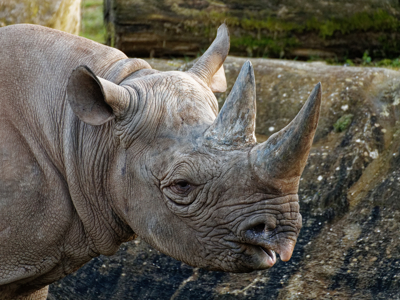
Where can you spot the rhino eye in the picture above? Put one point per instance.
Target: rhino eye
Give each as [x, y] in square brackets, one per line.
[181, 187]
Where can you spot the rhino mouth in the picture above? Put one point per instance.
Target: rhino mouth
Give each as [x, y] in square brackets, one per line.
[271, 259]
[267, 256]
[262, 257]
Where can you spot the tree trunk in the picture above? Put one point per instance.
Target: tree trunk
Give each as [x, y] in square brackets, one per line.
[63, 15]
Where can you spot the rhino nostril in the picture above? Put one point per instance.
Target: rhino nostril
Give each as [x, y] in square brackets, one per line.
[257, 232]
[259, 228]
[262, 227]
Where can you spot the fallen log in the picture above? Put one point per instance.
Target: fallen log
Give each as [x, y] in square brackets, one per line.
[307, 29]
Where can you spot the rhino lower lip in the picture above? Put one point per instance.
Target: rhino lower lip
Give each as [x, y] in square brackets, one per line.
[266, 257]
[271, 256]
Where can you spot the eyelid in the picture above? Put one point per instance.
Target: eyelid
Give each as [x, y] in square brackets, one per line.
[170, 180]
[175, 181]
[184, 197]
[181, 169]
[183, 193]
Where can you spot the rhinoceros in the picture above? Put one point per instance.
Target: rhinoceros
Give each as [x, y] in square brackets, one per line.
[97, 148]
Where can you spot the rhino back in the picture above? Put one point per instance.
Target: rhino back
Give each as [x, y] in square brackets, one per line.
[37, 217]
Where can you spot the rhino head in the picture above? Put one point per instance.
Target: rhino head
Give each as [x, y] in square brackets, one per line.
[193, 182]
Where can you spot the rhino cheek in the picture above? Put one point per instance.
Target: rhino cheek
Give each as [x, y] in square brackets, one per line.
[156, 225]
[176, 240]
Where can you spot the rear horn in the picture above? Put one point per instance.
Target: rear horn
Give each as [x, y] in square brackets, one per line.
[235, 124]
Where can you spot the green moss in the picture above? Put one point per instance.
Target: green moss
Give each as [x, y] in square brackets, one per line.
[367, 60]
[263, 46]
[362, 21]
[260, 34]
[343, 123]
[270, 24]
[213, 19]
[270, 36]
[392, 63]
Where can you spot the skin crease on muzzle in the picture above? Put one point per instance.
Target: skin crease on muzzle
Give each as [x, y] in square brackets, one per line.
[98, 149]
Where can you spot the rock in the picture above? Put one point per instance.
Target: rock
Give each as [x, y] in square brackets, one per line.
[349, 246]
[289, 28]
[63, 15]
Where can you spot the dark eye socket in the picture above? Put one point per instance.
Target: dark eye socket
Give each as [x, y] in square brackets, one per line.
[181, 187]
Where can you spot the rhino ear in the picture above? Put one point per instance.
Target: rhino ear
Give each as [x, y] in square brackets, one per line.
[209, 66]
[218, 82]
[95, 100]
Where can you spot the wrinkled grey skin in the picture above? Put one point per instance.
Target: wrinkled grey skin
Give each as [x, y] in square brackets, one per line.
[97, 148]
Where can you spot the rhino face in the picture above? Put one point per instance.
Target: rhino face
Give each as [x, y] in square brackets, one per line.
[193, 182]
[234, 222]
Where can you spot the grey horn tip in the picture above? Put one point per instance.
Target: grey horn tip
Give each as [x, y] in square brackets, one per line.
[248, 65]
[247, 62]
[223, 30]
[318, 87]
[316, 92]
[247, 68]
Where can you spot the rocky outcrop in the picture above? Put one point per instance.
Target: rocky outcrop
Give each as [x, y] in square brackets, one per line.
[334, 29]
[64, 15]
[349, 246]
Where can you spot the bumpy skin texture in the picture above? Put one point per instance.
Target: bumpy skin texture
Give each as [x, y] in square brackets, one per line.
[88, 162]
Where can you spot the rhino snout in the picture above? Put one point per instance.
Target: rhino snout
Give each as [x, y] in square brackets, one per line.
[268, 237]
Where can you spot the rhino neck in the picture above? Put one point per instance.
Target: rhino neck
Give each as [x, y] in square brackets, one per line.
[91, 154]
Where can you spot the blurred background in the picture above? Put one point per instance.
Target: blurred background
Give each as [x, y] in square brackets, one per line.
[349, 246]
[358, 32]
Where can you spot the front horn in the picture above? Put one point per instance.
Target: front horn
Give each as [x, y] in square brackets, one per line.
[284, 154]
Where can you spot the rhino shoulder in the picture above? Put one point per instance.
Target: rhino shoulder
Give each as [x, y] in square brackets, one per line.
[52, 47]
